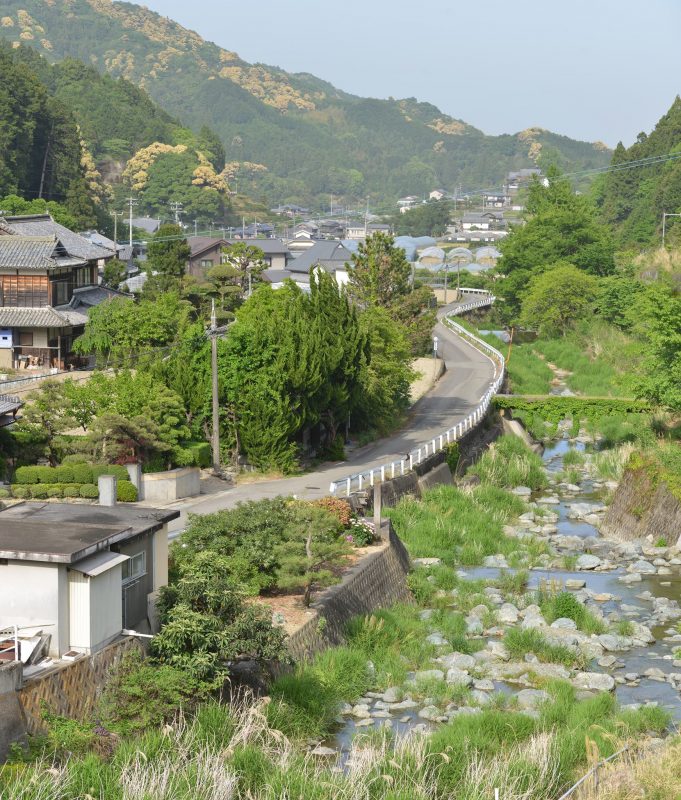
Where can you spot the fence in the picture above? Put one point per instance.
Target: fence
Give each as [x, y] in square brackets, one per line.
[359, 480]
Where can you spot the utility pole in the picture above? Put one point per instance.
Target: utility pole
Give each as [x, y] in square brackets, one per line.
[213, 333]
[664, 225]
[116, 215]
[176, 208]
[196, 227]
[131, 202]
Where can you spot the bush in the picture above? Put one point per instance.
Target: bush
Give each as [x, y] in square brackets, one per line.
[74, 458]
[55, 490]
[72, 490]
[202, 456]
[89, 491]
[141, 695]
[39, 492]
[126, 492]
[116, 470]
[26, 475]
[4, 493]
[509, 462]
[336, 506]
[46, 474]
[82, 473]
[156, 463]
[452, 455]
[64, 473]
[20, 490]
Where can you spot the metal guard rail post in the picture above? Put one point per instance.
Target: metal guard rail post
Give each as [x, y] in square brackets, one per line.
[357, 481]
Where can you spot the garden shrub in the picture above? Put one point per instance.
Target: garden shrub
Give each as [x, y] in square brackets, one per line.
[336, 506]
[26, 475]
[64, 473]
[201, 453]
[38, 491]
[156, 463]
[452, 455]
[21, 491]
[82, 473]
[74, 458]
[55, 490]
[89, 491]
[45, 474]
[116, 470]
[126, 492]
[72, 490]
[4, 493]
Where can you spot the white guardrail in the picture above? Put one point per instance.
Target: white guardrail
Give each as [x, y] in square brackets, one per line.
[359, 480]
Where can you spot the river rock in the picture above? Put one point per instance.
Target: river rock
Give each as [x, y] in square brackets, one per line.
[323, 752]
[437, 639]
[458, 661]
[633, 577]
[587, 561]
[364, 723]
[607, 661]
[596, 681]
[431, 713]
[473, 626]
[426, 562]
[522, 491]
[480, 697]
[574, 583]
[498, 650]
[655, 674]
[426, 614]
[531, 698]
[643, 567]
[614, 643]
[484, 685]
[507, 614]
[642, 633]
[392, 694]
[430, 675]
[404, 705]
[458, 677]
[360, 711]
[497, 561]
[565, 623]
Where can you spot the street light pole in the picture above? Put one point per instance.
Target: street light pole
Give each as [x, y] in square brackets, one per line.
[213, 333]
[435, 342]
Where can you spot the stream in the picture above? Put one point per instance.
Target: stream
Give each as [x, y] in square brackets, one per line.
[638, 582]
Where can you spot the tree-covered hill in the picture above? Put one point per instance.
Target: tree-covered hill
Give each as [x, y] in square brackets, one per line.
[106, 139]
[633, 200]
[313, 139]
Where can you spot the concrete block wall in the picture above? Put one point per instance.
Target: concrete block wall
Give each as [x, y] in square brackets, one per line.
[164, 487]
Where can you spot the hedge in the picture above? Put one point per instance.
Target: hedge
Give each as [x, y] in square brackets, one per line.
[127, 493]
[89, 491]
[68, 473]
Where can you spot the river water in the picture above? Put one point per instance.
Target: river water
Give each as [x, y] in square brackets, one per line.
[627, 601]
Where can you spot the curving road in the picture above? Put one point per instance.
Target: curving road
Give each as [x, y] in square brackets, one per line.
[468, 376]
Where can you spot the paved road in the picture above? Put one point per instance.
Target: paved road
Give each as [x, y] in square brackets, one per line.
[456, 394]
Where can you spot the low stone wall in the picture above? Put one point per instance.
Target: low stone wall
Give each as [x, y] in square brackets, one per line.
[640, 509]
[72, 689]
[164, 487]
[378, 580]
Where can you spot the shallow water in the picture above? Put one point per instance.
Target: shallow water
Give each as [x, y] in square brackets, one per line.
[658, 655]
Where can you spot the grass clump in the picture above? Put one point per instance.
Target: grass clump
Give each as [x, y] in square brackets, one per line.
[508, 463]
[624, 627]
[573, 458]
[564, 605]
[520, 642]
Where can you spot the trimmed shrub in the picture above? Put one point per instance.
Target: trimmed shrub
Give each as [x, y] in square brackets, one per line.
[117, 470]
[126, 492]
[64, 473]
[39, 491]
[46, 474]
[21, 490]
[72, 490]
[4, 492]
[26, 475]
[82, 473]
[338, 507]
[89, 491]
[55, 491]
[156, 463]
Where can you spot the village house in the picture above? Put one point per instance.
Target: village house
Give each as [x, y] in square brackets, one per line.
[360, 230]
[80, 575]
[207, 252]
[437, 194]
[327, 254]
[49, 279]
[496, 199]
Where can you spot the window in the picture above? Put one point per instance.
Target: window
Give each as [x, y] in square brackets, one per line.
[26, 338]
[206, 262]
[135, 567]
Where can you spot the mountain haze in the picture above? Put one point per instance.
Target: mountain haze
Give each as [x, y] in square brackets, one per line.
[312, 139]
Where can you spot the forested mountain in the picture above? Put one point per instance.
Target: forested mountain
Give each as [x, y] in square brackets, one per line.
[106, 138]
[633, 200]
[289, 136]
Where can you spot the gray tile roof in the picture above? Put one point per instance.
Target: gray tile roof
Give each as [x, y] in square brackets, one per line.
[43, 225]
[328, 253]
[30, 252]
[47, 317]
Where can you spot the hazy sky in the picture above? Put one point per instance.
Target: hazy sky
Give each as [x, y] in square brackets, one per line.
[589, 69]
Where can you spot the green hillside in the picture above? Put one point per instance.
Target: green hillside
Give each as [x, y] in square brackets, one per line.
[290, 137]
[633, 200]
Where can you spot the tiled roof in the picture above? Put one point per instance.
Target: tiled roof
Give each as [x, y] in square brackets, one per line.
[47, 317]
[328, 253]
[43, 225]
[28, 252]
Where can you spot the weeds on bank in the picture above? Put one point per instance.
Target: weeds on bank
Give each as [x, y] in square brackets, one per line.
[564, 605]
[520, 642]
[508, 463]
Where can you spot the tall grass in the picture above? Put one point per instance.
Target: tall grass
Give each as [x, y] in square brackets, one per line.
[509, 462]
[609, 464]
[527, 373]
[520, 642]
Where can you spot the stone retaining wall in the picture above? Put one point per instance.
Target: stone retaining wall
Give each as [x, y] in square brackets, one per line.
[72, 689]
[378, 580]
[640, 509]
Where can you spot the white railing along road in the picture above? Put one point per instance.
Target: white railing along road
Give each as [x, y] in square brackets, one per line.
[359, 480]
